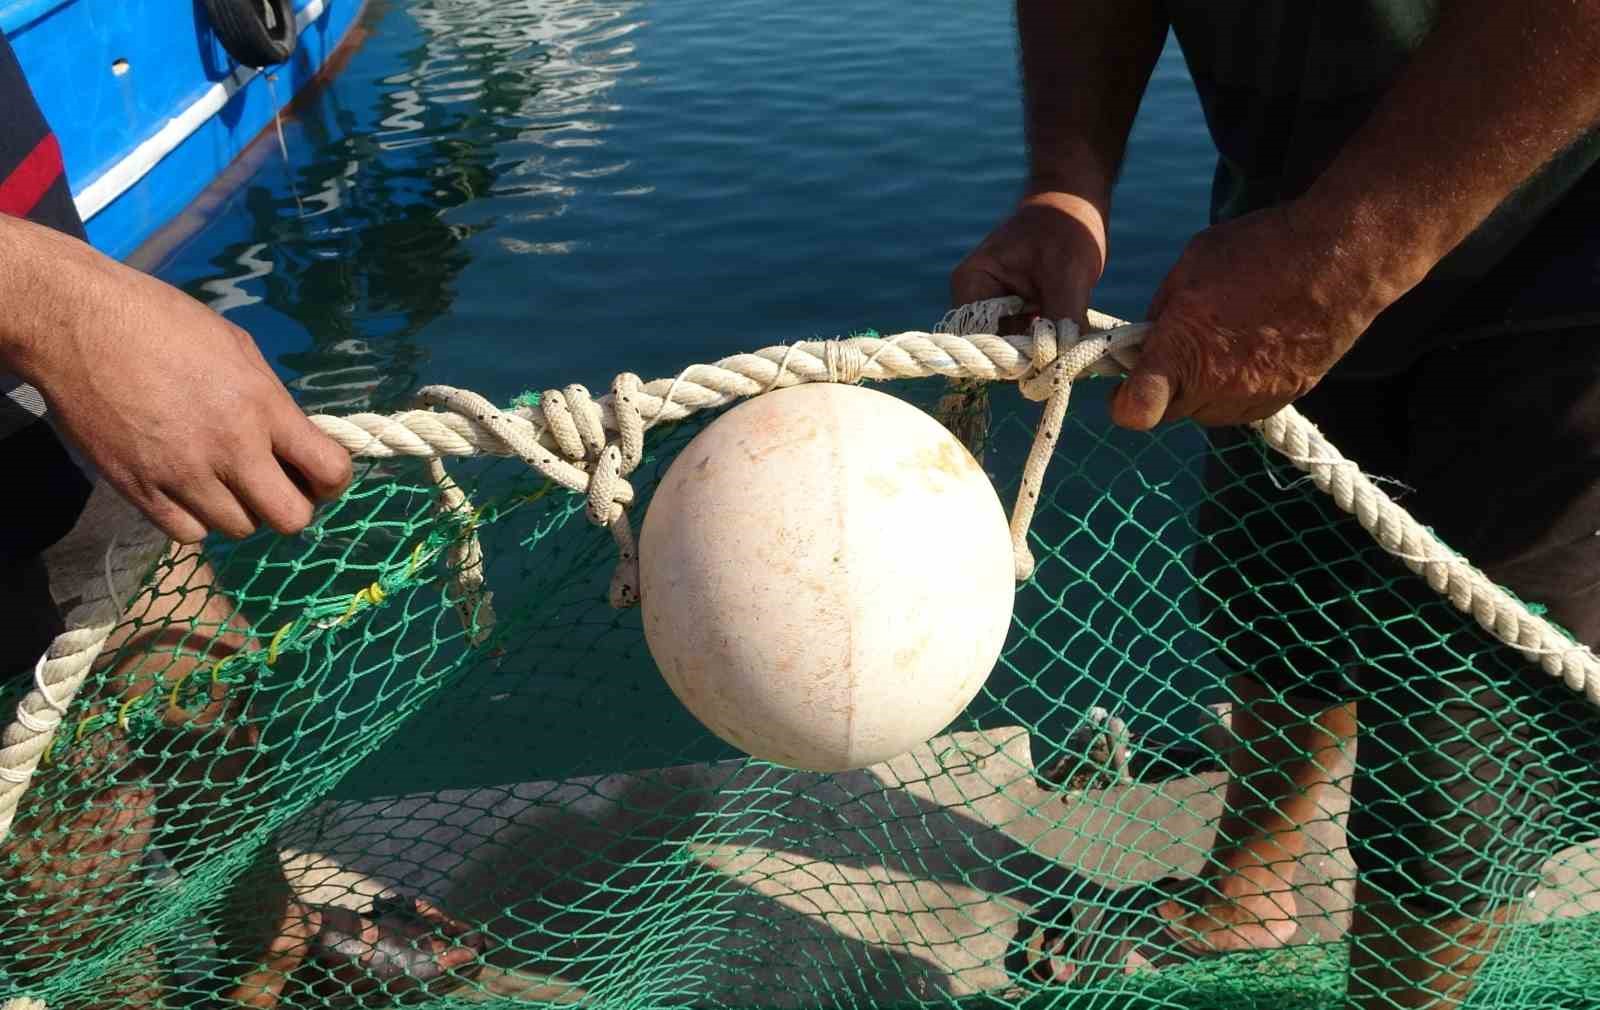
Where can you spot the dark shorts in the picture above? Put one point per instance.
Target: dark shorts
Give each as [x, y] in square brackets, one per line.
[56, 492]
[1472, 765]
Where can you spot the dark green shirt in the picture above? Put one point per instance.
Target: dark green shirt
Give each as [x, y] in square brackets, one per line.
[1284, 83]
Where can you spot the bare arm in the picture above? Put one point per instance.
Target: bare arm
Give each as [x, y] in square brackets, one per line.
[1496, 92]
[1085, 65]
[1258, 310]
[172, 403]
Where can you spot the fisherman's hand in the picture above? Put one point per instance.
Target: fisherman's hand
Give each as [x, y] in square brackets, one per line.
[1050, 253]
[1254, 314]
[174, 405]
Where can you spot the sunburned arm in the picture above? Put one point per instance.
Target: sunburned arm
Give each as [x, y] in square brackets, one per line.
[1085, 65]
[1258, 309]
[1495, 92]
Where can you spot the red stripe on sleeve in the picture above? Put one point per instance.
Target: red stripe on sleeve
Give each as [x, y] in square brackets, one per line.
[27, 184]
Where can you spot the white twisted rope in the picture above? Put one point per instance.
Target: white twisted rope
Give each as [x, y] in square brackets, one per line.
[1449, 574]
[56, 679]
[568, 438]
[1044, 363]
[699, 387]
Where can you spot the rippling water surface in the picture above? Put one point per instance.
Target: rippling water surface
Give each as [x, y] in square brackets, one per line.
[504, 195]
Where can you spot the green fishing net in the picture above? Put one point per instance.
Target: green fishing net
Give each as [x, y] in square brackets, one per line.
[332, 716]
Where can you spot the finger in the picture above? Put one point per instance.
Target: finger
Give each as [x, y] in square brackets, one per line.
[268, 493]
[304, 472]
[1019, 324]
[1218, 415]
[1142, 400]
[177, 522]
[981, 279]
[1158, 303]
[211, 502]
[249, 349]
[1064, 302]
[1148, 396]
[322, 465]
[1065, 295]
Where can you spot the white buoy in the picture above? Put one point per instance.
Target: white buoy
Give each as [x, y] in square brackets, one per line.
[826, 577]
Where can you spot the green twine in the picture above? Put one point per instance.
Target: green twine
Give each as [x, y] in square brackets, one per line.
[145, 713]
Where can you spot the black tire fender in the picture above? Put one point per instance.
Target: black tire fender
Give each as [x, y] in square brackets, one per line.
[257, 33]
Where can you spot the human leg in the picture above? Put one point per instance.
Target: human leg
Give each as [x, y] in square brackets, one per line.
[209, 773]
[1284, 764]
[1278, 613]
[1471, 778]
[195, 785]
[1475, 766]
[1285, 767]
[1286, 582]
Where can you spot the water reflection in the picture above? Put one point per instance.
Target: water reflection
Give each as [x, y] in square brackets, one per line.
[359, 240]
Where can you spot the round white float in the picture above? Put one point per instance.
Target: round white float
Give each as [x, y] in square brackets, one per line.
[826, 577]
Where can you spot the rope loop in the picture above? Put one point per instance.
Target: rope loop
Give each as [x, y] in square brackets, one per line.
[1040, 380]
[1046, 346]
[561, 424]
[605, 483]
[630, 420]
[620, 458]
[590, 427]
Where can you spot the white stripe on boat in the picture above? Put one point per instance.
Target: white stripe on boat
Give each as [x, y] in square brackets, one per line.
[125, 174]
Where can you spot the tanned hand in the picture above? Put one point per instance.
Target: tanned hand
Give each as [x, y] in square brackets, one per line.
[1252, 316]
[173, 404]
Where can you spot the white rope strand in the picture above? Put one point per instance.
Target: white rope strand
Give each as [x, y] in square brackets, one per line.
[57, 678]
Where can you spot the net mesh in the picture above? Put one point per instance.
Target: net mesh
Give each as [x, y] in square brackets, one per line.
[294, 723]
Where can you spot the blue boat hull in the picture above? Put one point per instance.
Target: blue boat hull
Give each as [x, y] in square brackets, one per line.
[149, 108]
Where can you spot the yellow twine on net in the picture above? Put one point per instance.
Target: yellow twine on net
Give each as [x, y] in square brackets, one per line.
[371, 596]
[277, 641]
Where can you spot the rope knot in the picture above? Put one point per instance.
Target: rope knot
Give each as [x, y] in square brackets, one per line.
[585, 460]
[1044, 378]
[576, 424]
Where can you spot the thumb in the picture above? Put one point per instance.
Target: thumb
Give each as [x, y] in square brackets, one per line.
[1142, 400]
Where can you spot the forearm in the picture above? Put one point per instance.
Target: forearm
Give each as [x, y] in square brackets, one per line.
[1085, 65]
[1496, 92]
[45, 279]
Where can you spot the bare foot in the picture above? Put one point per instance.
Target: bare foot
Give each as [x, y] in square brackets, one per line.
[263, 986]
[1097, 934]
[1250, 905]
